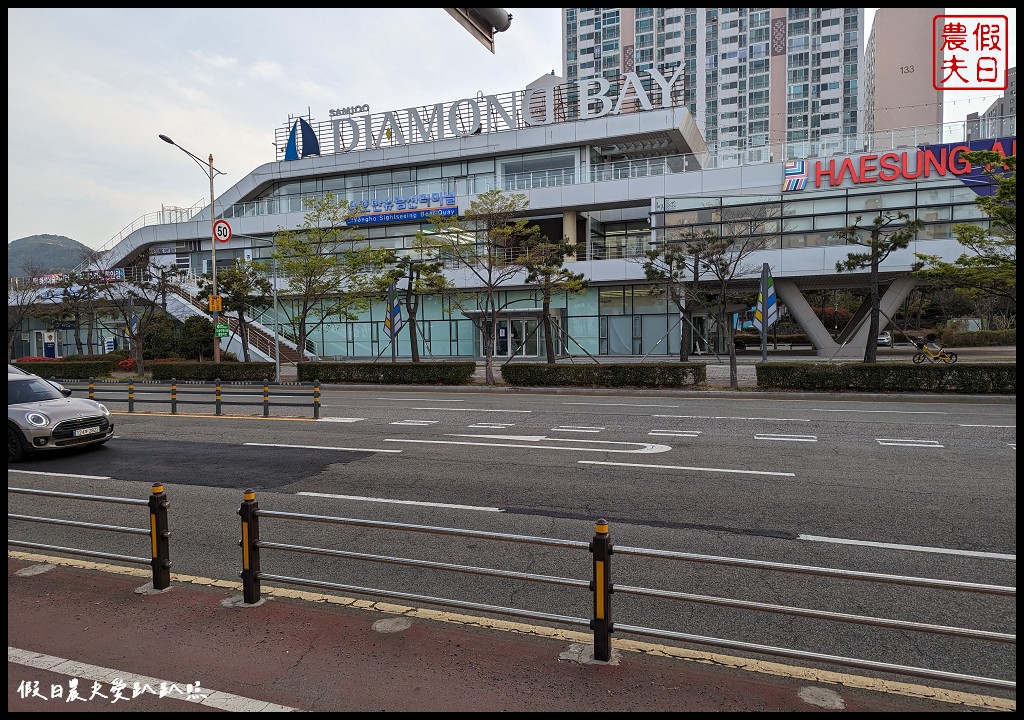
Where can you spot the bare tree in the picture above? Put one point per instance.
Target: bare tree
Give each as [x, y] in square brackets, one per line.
[133, 302]
[488, 241]
[25, 300]
[724, 249]
[668, 263]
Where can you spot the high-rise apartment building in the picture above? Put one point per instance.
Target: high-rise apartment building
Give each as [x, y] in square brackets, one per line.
[899, 94]
[753, 77]
[1000, 120]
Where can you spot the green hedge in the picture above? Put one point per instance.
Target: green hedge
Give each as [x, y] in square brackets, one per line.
[388, 373]
[625, 375]
[69, 369]
[980, 338]
[970, 379]
[231, 371]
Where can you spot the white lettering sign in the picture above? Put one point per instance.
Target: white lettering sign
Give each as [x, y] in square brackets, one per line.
[486, 113]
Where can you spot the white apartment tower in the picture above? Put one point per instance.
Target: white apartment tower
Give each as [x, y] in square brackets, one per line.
[753, 77]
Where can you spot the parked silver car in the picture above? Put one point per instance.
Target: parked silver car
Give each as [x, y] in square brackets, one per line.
[40, 418]
[16, 369]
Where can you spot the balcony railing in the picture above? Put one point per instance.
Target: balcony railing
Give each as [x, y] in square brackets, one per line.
[878, 141]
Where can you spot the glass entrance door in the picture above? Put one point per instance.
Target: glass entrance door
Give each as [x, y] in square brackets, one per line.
[521, 337]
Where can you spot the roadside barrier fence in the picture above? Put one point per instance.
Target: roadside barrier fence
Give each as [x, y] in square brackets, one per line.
[158, 531]
[601, 586]
[211, 393]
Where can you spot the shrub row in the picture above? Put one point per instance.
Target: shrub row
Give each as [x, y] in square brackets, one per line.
[231, 371]
[387, 373]
[68, 370]
[980, 338]
[969, 379]
[622, 375]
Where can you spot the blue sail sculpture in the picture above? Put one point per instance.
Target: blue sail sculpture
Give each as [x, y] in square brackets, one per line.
[310, 145]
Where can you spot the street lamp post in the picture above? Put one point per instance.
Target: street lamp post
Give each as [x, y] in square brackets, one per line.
[211, 171]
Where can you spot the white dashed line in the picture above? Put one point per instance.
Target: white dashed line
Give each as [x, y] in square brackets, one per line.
[909, 443]
[790, 438]
[107, 676]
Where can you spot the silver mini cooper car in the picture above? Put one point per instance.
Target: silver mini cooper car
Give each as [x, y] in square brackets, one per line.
[40, 418]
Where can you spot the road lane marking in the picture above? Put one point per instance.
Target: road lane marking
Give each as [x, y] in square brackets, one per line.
[491, 426]
[899, 442]
[516, 440]
[418, 399]
[988, 426]
[402, 502]
[321, 447]
[897, 412]
[729, 417]
[470, 409]
[684, 467]
[676, 433]
[790, 438]
[619, 404]
[914, 548]
[339, 419]
[108, 676]
[56, 474]
[417, 423]
[581, 428]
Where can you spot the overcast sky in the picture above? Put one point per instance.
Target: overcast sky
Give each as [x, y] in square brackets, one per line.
[89, 91]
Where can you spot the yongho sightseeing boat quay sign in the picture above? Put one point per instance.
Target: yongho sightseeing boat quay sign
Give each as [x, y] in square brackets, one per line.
[584, 100]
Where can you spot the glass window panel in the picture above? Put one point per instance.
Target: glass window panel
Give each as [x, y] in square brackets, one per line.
[967, 212]
[611, 300]
[477, 167]
[429, 172]
[829, 221]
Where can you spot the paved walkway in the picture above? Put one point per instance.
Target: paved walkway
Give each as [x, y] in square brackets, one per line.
[746, 373]
[103, 632]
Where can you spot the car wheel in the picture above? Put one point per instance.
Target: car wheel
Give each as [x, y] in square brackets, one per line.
[15, 445]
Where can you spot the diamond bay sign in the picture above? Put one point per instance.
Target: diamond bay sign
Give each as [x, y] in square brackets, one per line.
[543, 105]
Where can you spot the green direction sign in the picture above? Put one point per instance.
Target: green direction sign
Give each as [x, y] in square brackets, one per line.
[222, 330]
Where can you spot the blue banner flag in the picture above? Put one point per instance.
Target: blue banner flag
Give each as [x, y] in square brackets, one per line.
[393, 319]
[767, 313]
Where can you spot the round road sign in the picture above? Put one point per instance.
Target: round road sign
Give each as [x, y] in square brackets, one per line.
[221, 231]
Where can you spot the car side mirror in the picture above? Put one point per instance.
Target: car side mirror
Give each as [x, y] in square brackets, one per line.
[66, 392]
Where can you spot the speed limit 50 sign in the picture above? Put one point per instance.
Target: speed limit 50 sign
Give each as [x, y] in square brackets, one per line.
[221, 231]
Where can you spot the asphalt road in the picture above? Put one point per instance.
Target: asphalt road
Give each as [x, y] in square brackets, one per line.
[922, 489]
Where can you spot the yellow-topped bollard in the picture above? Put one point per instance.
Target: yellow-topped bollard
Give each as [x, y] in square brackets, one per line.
[250, 547]
[601, 623]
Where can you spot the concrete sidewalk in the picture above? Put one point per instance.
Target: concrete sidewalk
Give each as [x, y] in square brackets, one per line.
[104, 628]
[746, 362]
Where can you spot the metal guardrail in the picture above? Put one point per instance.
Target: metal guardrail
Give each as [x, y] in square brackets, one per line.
[106, 393]
[157, 532]
[601, 587]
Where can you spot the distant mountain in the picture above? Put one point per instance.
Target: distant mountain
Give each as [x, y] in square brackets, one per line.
[44, 254]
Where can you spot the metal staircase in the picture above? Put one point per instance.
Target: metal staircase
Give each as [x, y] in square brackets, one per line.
[183, 303]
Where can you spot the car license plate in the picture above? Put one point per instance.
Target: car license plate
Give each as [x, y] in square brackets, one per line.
[86, 431]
